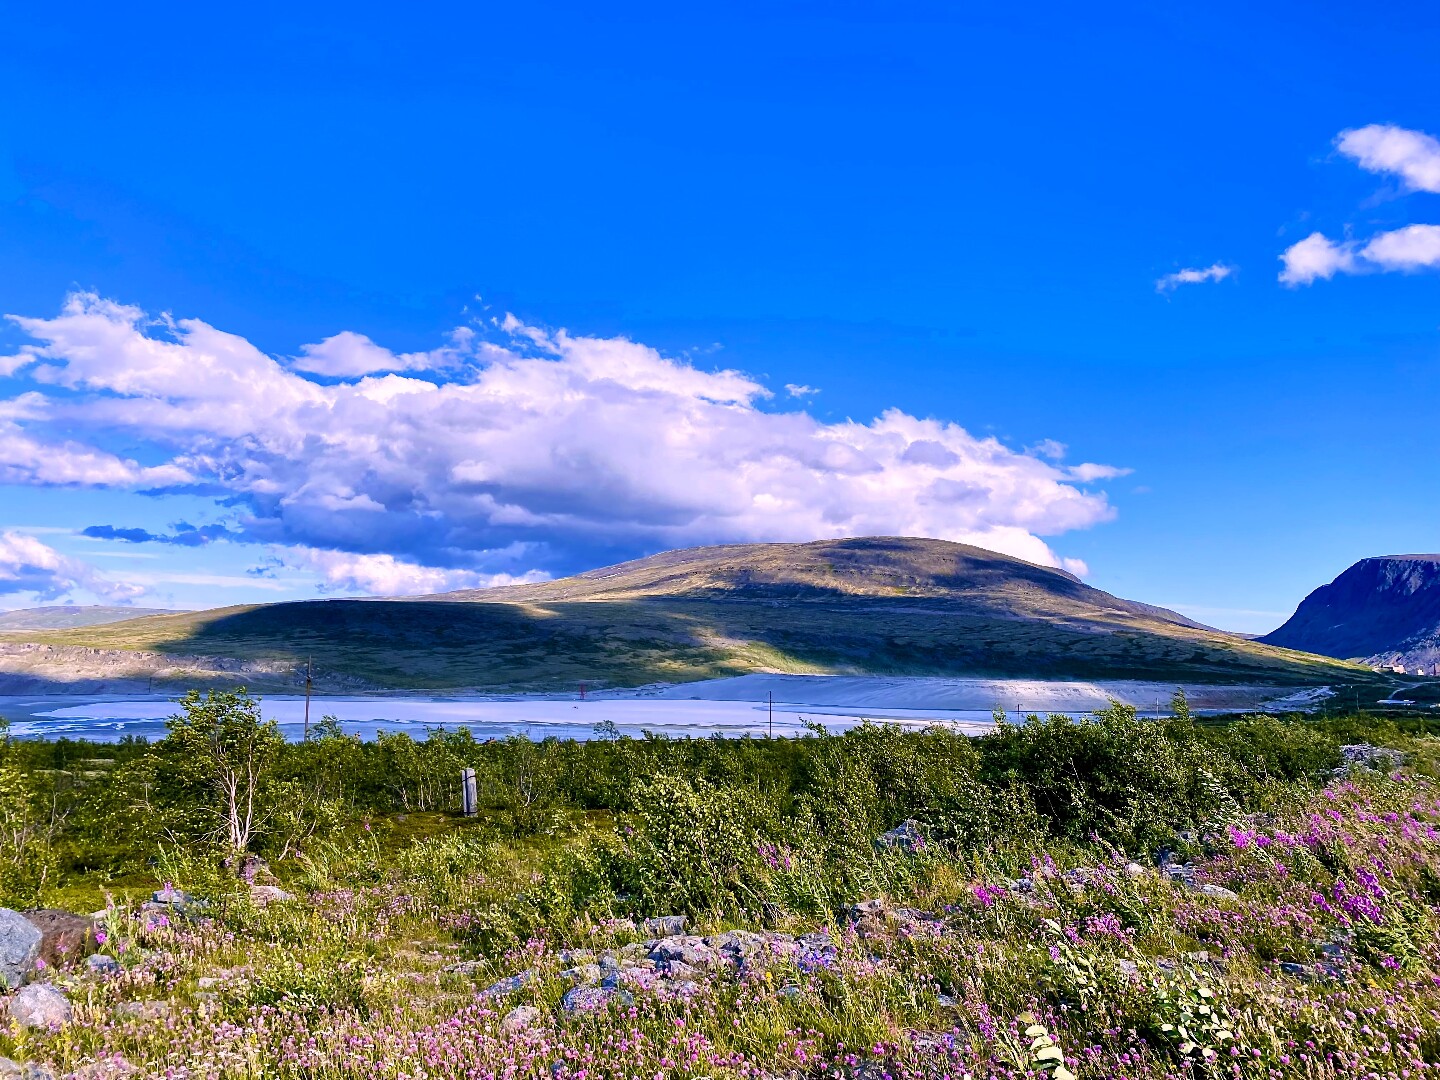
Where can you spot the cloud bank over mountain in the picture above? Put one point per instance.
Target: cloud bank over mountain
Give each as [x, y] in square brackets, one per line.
[511, 450]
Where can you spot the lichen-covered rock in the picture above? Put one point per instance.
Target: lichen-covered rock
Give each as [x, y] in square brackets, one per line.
[41, 1006]
[20, 942]
[518, 1019]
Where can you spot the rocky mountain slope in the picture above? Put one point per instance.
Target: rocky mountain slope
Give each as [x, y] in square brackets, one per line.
[1381, 611]
[892, 606]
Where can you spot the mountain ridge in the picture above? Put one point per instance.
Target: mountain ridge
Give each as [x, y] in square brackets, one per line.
[874, 605]
[1383, 611]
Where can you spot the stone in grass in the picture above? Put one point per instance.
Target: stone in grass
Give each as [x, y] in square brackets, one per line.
[905, 837]
[1215, 892]
[20, 941]
[260, 895]
[41, 1006]
[590, 998]
[31, 1070]
[144, 1010]
[100, 964]
[518, 1019]
[508, 986]
[666, 925]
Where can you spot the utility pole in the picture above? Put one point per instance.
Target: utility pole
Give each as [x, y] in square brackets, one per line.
[771, 697]
[309, 665]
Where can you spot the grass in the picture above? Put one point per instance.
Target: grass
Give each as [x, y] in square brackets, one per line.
[982, 961]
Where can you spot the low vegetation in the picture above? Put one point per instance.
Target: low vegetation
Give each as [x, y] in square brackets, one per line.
[1108, 897]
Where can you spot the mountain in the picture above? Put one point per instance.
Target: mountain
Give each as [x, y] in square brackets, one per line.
[67, 617]
[1381, 611]
[892, 606]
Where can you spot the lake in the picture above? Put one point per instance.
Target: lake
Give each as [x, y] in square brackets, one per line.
[112, 718]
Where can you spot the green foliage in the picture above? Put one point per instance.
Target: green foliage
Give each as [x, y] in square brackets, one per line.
[1129, 781]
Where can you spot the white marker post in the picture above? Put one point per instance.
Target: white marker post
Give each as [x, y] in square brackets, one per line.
[469, 803]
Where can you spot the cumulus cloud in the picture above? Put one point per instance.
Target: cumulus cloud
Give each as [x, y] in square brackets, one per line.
[1413, 156]
[385, 575]
[1414, 247]
[1190, 276]
[349, 355]
[29, 566]
[535, 450]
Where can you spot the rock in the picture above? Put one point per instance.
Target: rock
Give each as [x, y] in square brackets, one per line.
[679, 971]
[589, 998]
[467, 967]
[105, 1068]
[261, 895]
[31, 1070]
[1366, 756]
[584, 975]
[171, 897]
[1217, 892]
[905, 837]
[1135, 870]
[64, 935]
[870, 907]
[573, 957]
[686, 949]
[40, 1005]
[100, 964]
[249, 868]
[518, 1019]
[945, 1001]
[506, 987]
[666, 925]
[20, 942]
[1299, 971]
[789, 990]
[143, 1010]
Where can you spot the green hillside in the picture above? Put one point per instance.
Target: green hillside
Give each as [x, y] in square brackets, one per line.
[877, 605]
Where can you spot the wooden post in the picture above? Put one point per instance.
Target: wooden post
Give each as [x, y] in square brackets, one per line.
[469, 803]
[309, 662]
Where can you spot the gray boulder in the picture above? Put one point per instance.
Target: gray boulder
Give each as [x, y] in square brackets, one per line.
[666, 925]
[40, 1005]
[31, 1070]
[100, 964]
[20, 941]
[517, 1020]
[590, 998]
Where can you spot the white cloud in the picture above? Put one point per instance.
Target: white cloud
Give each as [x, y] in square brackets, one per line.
[1316, 257]
[1414, 157]
[385, 575]
[1189, 276]
[1414, 247]
[28, 566]
[800, 390]
[350, 355]
[1384, 148]
[536, 450]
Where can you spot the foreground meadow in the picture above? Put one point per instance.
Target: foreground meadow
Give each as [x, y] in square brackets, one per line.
[1106, 898]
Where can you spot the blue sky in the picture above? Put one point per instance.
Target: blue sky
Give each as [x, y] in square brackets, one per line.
[956, 220]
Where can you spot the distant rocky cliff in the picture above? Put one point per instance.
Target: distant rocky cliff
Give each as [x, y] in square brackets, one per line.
[1384, 611]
